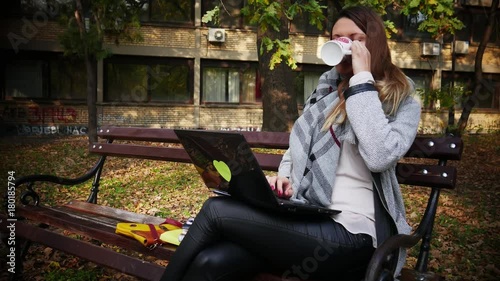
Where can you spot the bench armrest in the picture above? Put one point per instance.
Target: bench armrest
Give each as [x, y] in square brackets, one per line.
[384, 254]
[30, 195]
[382, 262]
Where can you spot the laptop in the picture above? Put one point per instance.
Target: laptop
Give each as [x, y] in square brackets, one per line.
[228, 167]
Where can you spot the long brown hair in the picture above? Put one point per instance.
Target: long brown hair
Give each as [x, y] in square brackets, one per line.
[391, 83]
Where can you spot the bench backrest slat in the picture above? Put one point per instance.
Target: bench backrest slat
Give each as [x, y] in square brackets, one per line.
[175, 154]
[276, 140]
[431, 175]
[445, 148]
[255, 139]
[138, 134]
[268, 162]
[426, 175]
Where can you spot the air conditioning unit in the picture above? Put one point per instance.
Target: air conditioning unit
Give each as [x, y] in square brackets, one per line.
[216, 35]
[431, 49]
[461, 47]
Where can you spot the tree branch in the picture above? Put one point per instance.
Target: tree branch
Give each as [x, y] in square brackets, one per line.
[79, 18]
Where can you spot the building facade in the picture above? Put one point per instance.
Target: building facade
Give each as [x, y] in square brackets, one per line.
[187, 74]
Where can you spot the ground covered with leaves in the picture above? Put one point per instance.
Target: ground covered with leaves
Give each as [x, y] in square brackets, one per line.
[465, 245]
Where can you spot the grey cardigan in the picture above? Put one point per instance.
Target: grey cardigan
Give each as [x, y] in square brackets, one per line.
[382, 141]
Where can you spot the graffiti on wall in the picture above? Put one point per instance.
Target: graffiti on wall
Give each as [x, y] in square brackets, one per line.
[30, 130]
[42, 120]
[40, 115]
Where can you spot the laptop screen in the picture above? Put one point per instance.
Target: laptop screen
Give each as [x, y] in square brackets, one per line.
[218, 156]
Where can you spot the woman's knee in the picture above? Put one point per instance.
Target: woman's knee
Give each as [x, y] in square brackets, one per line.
[215, 206]
[205, 261]
[212, 202]
[223, 259]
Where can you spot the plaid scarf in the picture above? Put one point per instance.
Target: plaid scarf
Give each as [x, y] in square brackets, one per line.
[315, 153]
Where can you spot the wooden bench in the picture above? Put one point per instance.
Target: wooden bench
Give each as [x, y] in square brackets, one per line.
[42, 224]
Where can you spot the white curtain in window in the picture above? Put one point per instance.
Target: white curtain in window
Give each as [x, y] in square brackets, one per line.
[310, 83]
[248, 86]
[214, 85]
[233, 85]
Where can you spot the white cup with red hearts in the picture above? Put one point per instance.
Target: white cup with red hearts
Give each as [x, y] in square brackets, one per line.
[334, 51]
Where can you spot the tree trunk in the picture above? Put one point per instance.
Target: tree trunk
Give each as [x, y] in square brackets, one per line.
[278, 95]
[91, 66]
[451, 110]
[478, 69]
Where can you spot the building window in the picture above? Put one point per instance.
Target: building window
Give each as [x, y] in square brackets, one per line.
[229, 15]
[25, 79]
[132, 79]
[168, 11]
[473, 31]
[226, 83]
[479, 22]
[45, 75]
[463, 34]
[422, 80]
[40, 8]
[68, 79]
[306, 80]
[407, 26]
[305, 84]
[301, 22]
[488, 97]
[461, 81]
[410, 27]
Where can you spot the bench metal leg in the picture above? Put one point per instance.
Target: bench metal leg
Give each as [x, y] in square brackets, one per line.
[95, 183]
[21, 251]
[425, 247]
[423, 256]
[97, 177]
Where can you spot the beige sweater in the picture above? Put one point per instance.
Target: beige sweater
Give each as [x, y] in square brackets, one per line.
[354, 181]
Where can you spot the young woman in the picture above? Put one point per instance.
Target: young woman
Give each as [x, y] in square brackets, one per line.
[356, 125]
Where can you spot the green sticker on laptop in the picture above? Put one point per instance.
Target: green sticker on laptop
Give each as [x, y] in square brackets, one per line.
[223, 169]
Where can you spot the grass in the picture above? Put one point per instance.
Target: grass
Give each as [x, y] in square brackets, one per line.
[56, 273]
[464, 247]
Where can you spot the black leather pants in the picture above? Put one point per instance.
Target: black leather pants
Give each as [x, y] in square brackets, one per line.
[231, 241]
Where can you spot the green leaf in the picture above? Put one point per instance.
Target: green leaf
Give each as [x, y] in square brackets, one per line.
[390, 28]
[293, 10]
[211, 16]
[414, 3]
